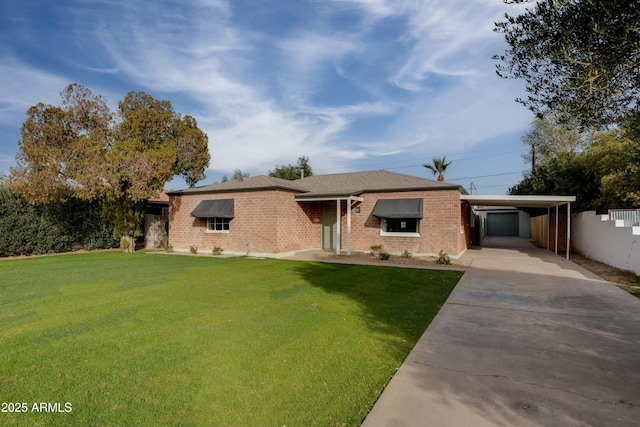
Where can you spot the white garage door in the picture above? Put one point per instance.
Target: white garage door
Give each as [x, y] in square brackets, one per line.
[502, 224]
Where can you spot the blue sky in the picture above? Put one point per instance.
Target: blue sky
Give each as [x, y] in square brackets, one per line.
[352, 84]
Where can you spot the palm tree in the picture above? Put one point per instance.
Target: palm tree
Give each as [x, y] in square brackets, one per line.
[438, 167]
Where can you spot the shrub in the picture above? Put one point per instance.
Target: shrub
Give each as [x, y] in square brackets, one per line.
[193, 249]
[29, 229]
[217, 250]
[443, 258]
[384, 256]
[39, 229]
[375, 249]
[406, 254]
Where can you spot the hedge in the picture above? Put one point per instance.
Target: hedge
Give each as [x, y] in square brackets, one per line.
[27, 229]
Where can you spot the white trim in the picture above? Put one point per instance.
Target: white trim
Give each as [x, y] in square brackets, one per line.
[217, 231]
[384, 233]
[398, 234]
[212, 220]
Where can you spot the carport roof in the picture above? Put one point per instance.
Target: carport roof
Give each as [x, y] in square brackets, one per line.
[518, 201]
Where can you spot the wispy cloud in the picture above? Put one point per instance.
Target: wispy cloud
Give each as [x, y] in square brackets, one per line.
[249, 126]
[358, 79]
[27, 87]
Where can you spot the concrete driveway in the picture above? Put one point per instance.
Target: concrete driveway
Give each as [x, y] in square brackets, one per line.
[527, 338]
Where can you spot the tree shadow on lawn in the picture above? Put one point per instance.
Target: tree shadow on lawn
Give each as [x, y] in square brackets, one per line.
[400, 302]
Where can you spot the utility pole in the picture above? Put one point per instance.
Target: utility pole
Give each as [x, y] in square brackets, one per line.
[471, 188]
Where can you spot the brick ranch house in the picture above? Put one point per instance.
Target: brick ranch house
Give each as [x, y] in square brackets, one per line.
[266, 216]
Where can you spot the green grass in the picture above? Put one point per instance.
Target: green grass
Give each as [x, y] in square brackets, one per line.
[171, 340]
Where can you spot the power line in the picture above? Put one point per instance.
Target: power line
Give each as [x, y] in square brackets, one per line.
[386, 165]
[462, 159]
[484, 176]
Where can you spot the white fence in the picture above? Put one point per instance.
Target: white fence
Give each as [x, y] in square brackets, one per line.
[607, 241]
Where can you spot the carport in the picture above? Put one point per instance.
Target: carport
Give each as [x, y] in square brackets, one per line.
[529, 202]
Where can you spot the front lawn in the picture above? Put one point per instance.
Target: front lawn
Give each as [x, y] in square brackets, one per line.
[116, 339]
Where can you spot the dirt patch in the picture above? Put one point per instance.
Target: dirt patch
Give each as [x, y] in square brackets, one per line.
[625, 280]
[422, 262]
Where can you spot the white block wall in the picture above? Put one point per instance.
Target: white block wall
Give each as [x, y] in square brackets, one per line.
[600, 239]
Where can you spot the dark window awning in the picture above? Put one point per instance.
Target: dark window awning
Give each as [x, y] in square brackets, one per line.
[214, 209]
[398, 208]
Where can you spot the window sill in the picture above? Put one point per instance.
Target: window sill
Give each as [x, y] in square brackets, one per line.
[398, 234]
[217, 231]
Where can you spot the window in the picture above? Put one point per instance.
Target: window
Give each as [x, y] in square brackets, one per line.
[218, 213]
[405, 227]
[218, 225]
[401, 225]
[399, 217]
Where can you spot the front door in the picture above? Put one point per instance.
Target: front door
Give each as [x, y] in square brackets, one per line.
[329, 227]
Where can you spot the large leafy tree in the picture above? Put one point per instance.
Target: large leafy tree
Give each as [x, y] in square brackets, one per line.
[547, 137]
[292, 172]
[615, 160]
[604, 175]
[238, 175]
[579, 58]
[82, 149]
[565, 173]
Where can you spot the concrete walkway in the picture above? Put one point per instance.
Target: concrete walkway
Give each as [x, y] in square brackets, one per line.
[527, 338]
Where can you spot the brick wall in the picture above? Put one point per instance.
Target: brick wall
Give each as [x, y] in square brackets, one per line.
[299, 225]
[440, 228]
[272, 221]
[265, 222]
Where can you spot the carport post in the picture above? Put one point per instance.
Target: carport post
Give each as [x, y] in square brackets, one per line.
[349, 226]
[547, 229]
[338, 220]
[568, 227]
[556, 240]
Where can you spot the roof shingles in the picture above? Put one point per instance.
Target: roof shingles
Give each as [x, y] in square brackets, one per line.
[331, 185]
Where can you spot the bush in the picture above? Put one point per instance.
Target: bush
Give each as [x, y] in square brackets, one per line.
[443, 258]
[193, 249]
[28, 229]
[40, 229]
[217, 250]
[384, 256]
[406, 254]
[375, 249]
